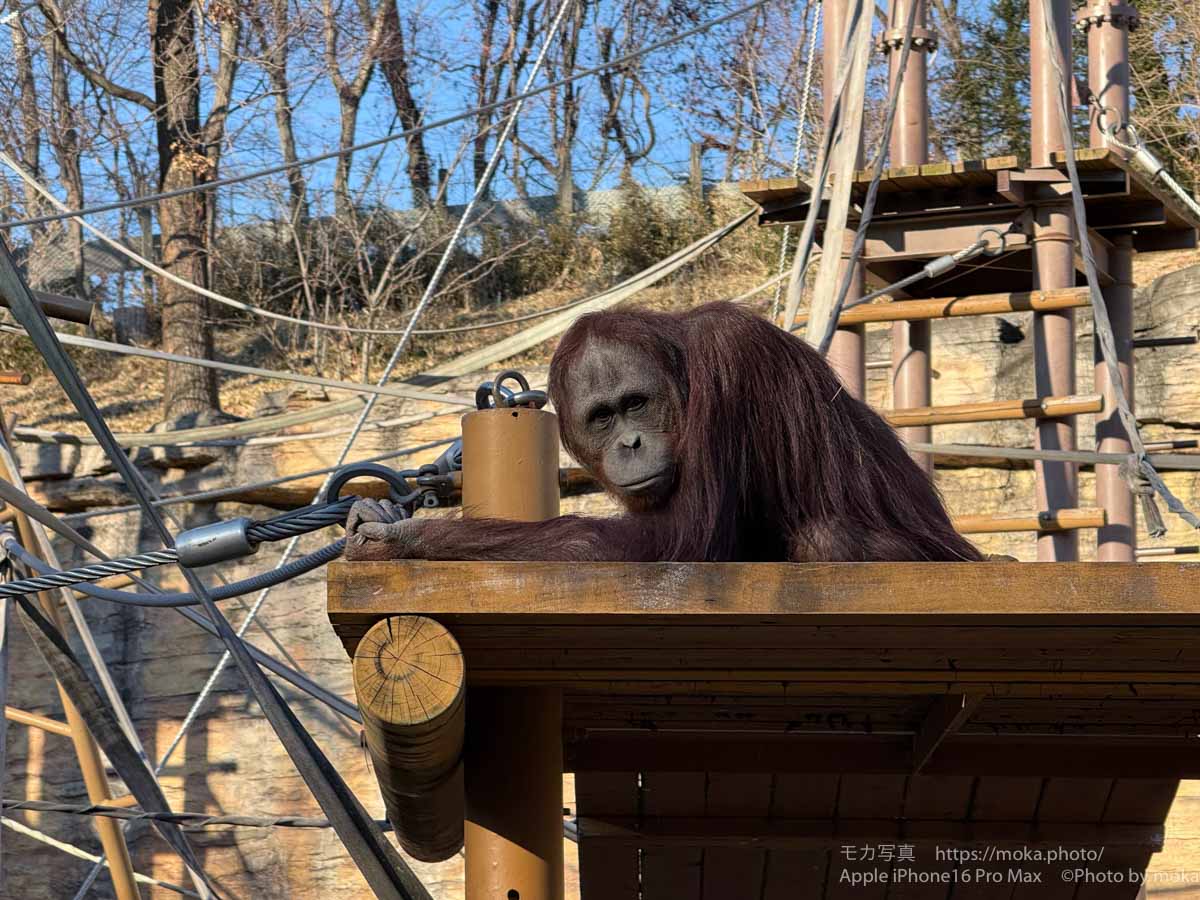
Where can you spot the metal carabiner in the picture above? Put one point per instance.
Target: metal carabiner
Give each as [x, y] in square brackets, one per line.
[494, 395]
[399, 490]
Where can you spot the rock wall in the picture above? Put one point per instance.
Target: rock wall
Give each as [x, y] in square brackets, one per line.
[230, 760]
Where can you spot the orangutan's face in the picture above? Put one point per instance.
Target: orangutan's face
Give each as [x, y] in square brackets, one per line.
[619, 411]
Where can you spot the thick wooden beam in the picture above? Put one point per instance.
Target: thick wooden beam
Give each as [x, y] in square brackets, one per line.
[410, 684]
[997, 410]
[827, 754]
[518, 594]
[1047, 520]
[823, 834]
[947, 715]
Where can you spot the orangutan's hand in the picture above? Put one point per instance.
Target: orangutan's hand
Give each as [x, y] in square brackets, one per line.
[377, 530]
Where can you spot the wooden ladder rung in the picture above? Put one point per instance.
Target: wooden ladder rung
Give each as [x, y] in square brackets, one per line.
[1047, 520]
[997, 410]
[957, 307]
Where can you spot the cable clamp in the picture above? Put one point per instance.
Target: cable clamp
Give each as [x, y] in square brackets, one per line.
[214, 543]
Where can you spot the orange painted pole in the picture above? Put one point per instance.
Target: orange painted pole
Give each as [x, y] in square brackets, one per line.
[513, 756]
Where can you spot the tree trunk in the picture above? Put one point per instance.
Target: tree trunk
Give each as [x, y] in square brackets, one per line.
[188, 390]
[393, 59]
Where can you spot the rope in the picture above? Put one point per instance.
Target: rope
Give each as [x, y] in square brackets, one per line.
[145, 263]
[380, 864]
[484, 182]
[1177, 461]
[834, 105]
[78, 853]
[236, 490]
[163, 599]
[401, 391]
[39, 513]
[92, 572]
[1104, 332]
[193, 821]
[868, 209]
[516, 100]
[801, 121]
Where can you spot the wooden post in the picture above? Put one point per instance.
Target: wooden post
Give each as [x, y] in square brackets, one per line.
[514, 838]
[91, 765]
[696, 170]
[410, 685]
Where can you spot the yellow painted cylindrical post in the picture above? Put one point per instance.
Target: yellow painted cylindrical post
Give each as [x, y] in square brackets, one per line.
[513, 760]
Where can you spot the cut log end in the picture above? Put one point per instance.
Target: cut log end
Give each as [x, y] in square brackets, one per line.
[408, 670]
[410, 682]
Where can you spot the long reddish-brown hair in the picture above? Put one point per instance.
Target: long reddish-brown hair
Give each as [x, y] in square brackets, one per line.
[775, 459]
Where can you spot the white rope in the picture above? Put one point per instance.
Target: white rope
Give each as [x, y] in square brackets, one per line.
[1104, 332]
[72, 850]
[400, 391]
[430, 288]
[801, 126]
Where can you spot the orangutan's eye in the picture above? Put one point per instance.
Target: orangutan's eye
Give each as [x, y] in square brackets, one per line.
[600, 417]
[635, 403]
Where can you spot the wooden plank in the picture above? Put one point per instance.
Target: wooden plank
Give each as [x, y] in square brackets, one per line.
[675, 832]
[707, 593]
[734, 871]
[1025, 755]
[1064, 800]
[927, 876]
[1130, 800]
[1000, 799]
[670, 872]
[941, 174]
[1065, 638]
[799, 873]
[607, 872]
[865, 796]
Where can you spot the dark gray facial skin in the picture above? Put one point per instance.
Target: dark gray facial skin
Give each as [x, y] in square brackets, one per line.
[622, 417]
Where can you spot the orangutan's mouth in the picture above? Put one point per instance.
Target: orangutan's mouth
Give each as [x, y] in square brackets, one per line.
[636, 487]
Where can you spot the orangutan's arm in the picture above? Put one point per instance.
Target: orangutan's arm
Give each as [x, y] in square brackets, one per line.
[565, 539]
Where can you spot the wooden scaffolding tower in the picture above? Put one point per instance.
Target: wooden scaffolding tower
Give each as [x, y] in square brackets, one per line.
[843, 730]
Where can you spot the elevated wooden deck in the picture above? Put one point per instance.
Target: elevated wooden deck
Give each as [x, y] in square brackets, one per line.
[925, 211]
[734, 727]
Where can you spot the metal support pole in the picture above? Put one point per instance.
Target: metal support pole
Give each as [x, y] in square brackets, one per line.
[91, 764]
[1053, 268]
[513, 754]
[910, 147]
[847, 353]
[1116, 541]
[1107, 25]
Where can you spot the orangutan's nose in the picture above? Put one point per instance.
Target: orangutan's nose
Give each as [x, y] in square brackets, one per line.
[631, 440]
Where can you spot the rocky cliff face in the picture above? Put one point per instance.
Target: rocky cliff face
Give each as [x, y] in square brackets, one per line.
[230, 760]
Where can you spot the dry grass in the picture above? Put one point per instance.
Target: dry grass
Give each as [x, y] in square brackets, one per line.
[128, 389]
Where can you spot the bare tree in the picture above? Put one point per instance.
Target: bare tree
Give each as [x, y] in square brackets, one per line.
[182, 144]
[350, 90]
[393, 60]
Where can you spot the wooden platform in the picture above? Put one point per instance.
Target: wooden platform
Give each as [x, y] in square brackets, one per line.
[735, 727]
[925, 211]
